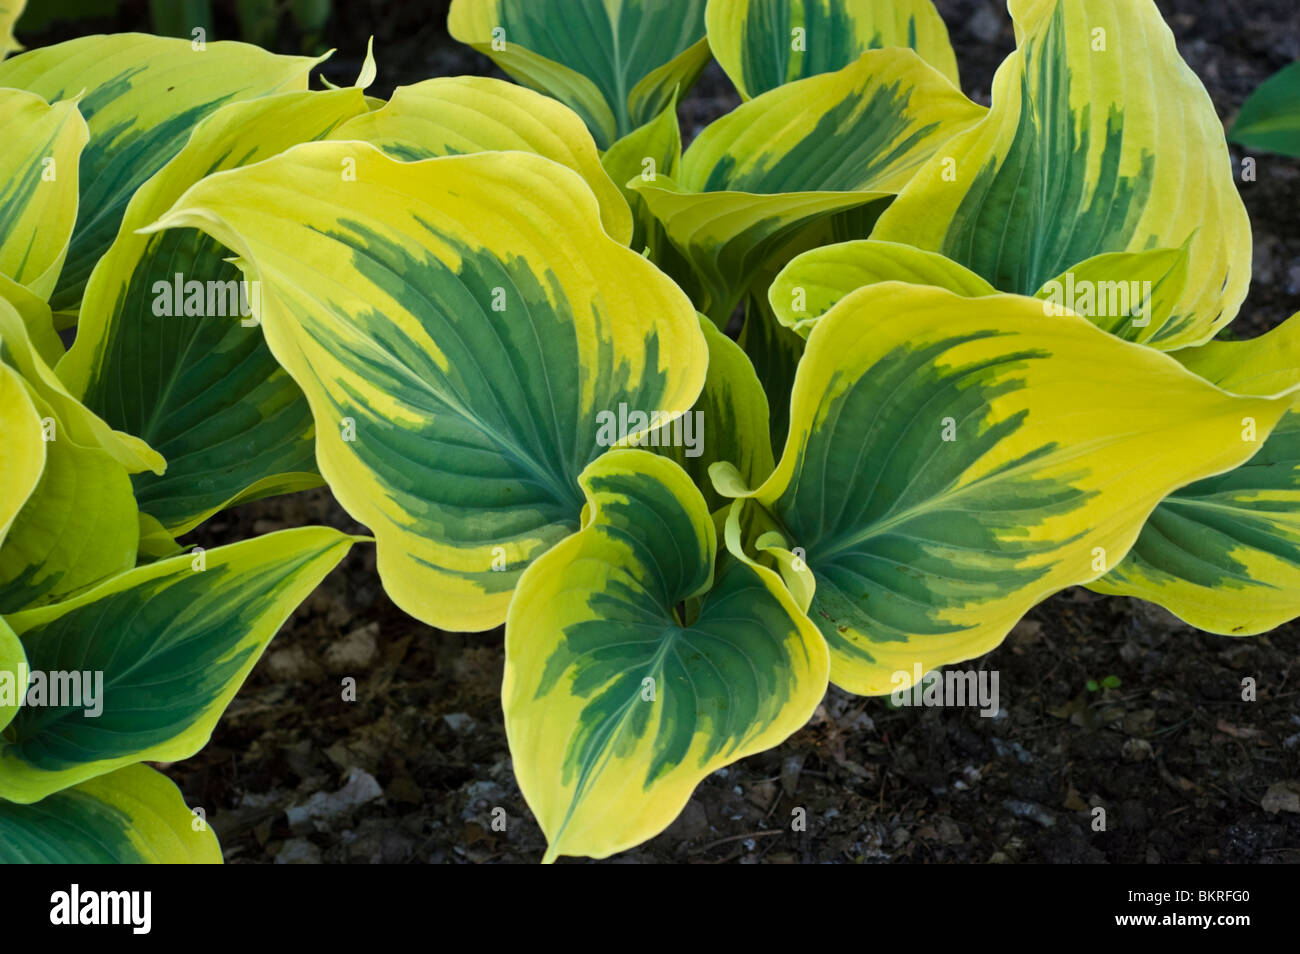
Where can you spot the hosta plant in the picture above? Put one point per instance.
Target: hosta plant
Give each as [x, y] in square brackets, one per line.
[835, 395]
[116, 647]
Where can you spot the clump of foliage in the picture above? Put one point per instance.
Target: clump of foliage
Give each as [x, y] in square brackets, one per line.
[974, 367]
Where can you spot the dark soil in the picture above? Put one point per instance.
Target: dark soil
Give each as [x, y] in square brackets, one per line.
[1178, 761]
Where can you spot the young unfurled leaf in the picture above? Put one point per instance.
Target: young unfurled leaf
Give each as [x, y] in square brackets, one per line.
[763, 44]
[653, 150]
[171, 641]
[1100, 139]
[793, 156]
[728, 423]
[1224, 553]
[952, 461]
[38, 186]
[616, 706]
[1133, 295]
[1129, 294]
[168, 347]
[456, 115]
[142, 97]
[814, 281]
[135, 815]
[774, 352]
[616, 63]
[460, 326]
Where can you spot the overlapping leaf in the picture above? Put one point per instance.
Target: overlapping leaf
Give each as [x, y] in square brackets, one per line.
[19, 351]
[654, 149]
[159, 651]
[166, 348]
[952, 461]
[455, 115]
[774, 352]
[24, 456]
[1100, 140]
[135, 815]
[1224, 553]
[728, 423]
[632, 671]
[815, 280]
[616, 63]
[79, 524]
[38, 186]
[458, 326]
[13, 662]
[763, 44]
[793, 156]
[36, 317]
[142, 97]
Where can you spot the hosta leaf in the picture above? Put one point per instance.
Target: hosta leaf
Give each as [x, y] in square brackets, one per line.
[763, 44]
[1224, 553]
[652, 150]
[725, 237]
[458, 326]
[792, 156]
[728, 423]
[1100, 139]
[24, 457]
[38, 186]
[10, 11]
[815, 280]
[1270, 117]
[1130, 294]
[142, 97]
[18, 350]
[135, 815]
[774, 351]
[78, 527]
[36, 317]
[868, 126]
[155, 541]
[12, 661]
[952, 461]
[79, 524]
[616, 63]
[173, 641]
[455, 115]
[199, 384]
[617, 707]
